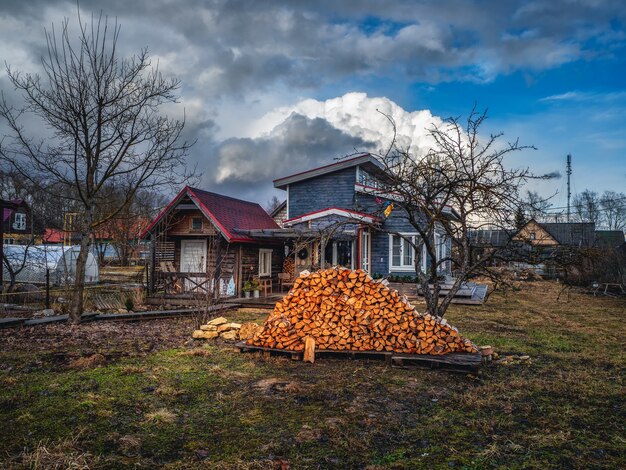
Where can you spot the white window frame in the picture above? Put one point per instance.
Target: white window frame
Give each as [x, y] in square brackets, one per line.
[20, 221]
[366, 250]
[441, 250]
[265, 271]
[405, 267]
[8, 241]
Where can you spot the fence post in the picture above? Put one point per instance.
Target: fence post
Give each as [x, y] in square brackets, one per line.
[47, 288]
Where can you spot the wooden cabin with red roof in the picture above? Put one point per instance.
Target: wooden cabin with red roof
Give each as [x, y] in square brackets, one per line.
[198, 243]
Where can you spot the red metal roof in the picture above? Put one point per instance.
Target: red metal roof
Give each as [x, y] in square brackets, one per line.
[54, 235]
[227, 213]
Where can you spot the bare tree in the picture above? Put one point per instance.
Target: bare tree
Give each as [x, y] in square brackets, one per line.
[462, 184]
[272, 204]
[587, 207]
[535, 206]
[613, 205]
[122, 232]
[106, 129]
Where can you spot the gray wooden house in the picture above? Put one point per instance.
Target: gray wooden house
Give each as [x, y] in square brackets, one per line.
[333, 216]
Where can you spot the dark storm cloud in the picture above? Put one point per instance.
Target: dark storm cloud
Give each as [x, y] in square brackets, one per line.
[229, 47]
[234, 51]
[247, 166]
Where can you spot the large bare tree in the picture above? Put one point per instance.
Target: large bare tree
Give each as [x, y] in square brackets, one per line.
[459, 185]
[106, 129]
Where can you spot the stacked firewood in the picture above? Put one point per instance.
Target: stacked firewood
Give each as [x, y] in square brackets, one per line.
[222, 328]
[341, 309]
[289, 265]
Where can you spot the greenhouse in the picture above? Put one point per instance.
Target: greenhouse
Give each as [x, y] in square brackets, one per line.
[33, 261]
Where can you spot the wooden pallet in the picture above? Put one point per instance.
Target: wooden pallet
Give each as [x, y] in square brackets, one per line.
[297, 355]
[455, 362]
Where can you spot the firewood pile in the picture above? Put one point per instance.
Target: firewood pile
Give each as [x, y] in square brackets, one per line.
[341, 309]
[222, 328]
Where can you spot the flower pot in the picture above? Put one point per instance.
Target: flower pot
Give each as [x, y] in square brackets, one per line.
[246, 294]
[256, 294]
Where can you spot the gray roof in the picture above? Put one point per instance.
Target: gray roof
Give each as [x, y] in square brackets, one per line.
[579, 234]
[494, 238]
[366, 160]
[609, 238]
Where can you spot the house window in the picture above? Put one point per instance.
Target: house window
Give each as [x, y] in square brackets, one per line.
[368, 180]
[20, 221]
[532, 236]
[196, 223]
[402, 254]
[265, 263]
[9, 241]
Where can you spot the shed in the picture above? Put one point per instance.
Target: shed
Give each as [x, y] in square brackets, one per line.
[60, 260]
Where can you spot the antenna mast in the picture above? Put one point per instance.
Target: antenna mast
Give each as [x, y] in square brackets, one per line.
[569, 174]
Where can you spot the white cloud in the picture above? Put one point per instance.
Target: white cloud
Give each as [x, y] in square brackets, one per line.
[360, 116]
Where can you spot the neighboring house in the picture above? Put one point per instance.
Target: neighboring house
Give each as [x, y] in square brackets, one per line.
[494, 243]
[55, 236]
[609, 239]
[201, 232]
[119, 239]
[344, 202]
[552, 235]
[19, 225]
[548, 246]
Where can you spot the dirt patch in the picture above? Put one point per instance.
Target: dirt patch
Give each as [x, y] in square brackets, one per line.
[107, 338]
[274, 385]
[87, 362]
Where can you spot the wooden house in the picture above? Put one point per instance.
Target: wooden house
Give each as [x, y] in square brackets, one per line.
[19, 226]
[196, 242]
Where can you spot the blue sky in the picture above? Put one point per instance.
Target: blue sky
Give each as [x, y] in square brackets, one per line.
[274, 87]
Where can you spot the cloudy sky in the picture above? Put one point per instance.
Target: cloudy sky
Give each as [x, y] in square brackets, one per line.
[270, 88]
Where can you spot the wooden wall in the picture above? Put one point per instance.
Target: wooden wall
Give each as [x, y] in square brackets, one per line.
[181, 225]
[542, 238]
[250, 260]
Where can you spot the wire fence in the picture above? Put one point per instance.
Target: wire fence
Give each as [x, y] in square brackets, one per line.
[127, 293]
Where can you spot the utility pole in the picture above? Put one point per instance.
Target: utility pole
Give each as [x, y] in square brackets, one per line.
[569, 174]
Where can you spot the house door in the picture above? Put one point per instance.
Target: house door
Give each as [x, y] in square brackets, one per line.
[193, 260]
[339, 253]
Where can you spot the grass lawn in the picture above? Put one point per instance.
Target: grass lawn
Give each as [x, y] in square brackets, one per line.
[156, 399]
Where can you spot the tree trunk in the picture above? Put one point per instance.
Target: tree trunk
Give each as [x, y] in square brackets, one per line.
[76, 306]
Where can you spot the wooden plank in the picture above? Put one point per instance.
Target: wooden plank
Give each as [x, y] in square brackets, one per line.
[11, 322]
[94, 316]
[149, 315]
[454, 362]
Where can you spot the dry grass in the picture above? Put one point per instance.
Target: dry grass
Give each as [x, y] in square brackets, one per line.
[179, 405]
[62, 455]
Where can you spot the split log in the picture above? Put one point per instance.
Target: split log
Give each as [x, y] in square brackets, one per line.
[309, 349]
